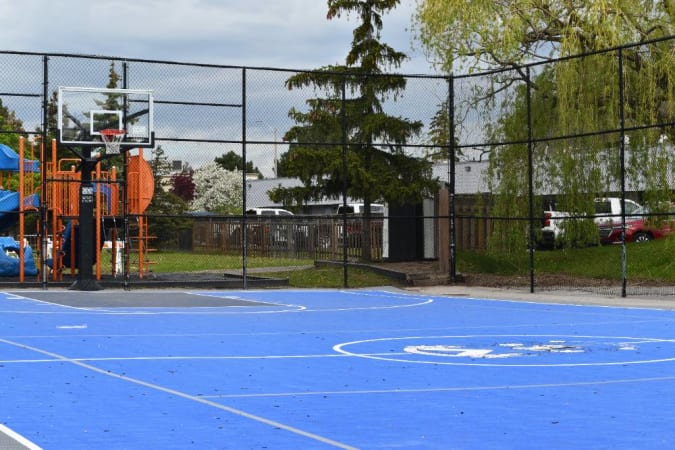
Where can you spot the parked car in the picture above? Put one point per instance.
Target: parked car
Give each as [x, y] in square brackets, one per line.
[355, 212]
[552, 228]
[269, 226]
[268, 212]
[607, 212]
[640, 227]
[358, 208]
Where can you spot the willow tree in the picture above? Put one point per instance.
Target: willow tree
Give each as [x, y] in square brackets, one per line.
[349, 115]
[580, 136]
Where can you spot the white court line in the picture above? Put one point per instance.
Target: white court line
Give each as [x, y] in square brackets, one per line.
[18, 438]
[178, 358]
[215, 311]
[446, 389]
[42, 302]
[235, 411]
[67, 335]
[191, 358]
[219, 310]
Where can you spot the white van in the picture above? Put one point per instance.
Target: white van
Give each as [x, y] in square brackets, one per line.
[275, 225]
[357, 208]
[268, 212]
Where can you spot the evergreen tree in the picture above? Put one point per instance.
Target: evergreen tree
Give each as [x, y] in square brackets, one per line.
[378, 168]
[166, 207]
[9, 122]
[439, 135]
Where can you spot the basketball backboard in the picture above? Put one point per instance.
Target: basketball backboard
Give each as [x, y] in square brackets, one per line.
[83, 112]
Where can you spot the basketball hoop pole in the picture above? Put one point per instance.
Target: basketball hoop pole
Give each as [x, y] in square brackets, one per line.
[87, 229]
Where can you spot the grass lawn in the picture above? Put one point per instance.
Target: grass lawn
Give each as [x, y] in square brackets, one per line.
[650, 261]
[333, 277]
[167, 261]
[653, 261]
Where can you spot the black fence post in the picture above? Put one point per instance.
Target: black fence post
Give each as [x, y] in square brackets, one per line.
[126, 254]
[451, 177]
[244, 243]
[345, 184]
[622, 146]
[43, 171]
[530, 170]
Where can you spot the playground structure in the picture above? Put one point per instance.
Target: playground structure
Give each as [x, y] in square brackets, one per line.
[115, 201]
[16, 258]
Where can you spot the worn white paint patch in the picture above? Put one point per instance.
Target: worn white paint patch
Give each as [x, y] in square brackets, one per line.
[627, 347]
[519, 350]
[447, 350]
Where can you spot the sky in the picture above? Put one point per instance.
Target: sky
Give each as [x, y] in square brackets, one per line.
[261, 33]
[290, 34]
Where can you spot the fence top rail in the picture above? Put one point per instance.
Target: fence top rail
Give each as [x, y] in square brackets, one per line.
[280, 69]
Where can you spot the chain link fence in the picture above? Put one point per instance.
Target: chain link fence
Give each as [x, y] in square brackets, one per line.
[528, 163]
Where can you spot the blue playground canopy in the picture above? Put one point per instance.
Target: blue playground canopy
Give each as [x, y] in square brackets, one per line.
[9, 160]
[9, 200]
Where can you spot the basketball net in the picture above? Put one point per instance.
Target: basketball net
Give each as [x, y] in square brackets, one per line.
[112, 139]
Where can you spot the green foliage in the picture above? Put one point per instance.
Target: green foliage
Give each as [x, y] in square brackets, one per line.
[9, 122]
[165, 208]
[167, 221]
[172, 261]
[649, 261]
[573, 97]
[232, 161]
[377, 167]
[440, 135]
[160, 165]
[333, 278]
[488, 33]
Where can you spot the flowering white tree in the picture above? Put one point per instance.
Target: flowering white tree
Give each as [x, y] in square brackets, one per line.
[217, 190]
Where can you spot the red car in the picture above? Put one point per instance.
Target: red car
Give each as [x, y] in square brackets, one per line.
[640, 227]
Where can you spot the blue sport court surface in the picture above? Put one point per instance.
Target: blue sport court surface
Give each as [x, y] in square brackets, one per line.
[320, 369]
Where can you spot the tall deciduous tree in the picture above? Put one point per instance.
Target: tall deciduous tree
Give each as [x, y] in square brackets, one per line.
[377, 166]
[232, 161]
[498, 33]
[217, 190]
[183, 186]
[580, 96]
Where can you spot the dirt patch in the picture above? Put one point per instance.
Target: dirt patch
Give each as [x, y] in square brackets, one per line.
[506, 281]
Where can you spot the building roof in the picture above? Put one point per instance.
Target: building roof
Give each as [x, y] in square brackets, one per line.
[470, 176]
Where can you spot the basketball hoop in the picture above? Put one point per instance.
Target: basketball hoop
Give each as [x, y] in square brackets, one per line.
[112, 139]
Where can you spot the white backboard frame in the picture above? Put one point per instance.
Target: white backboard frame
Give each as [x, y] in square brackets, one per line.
[79, 108]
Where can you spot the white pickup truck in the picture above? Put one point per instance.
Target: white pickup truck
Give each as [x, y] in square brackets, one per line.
[607, 213]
